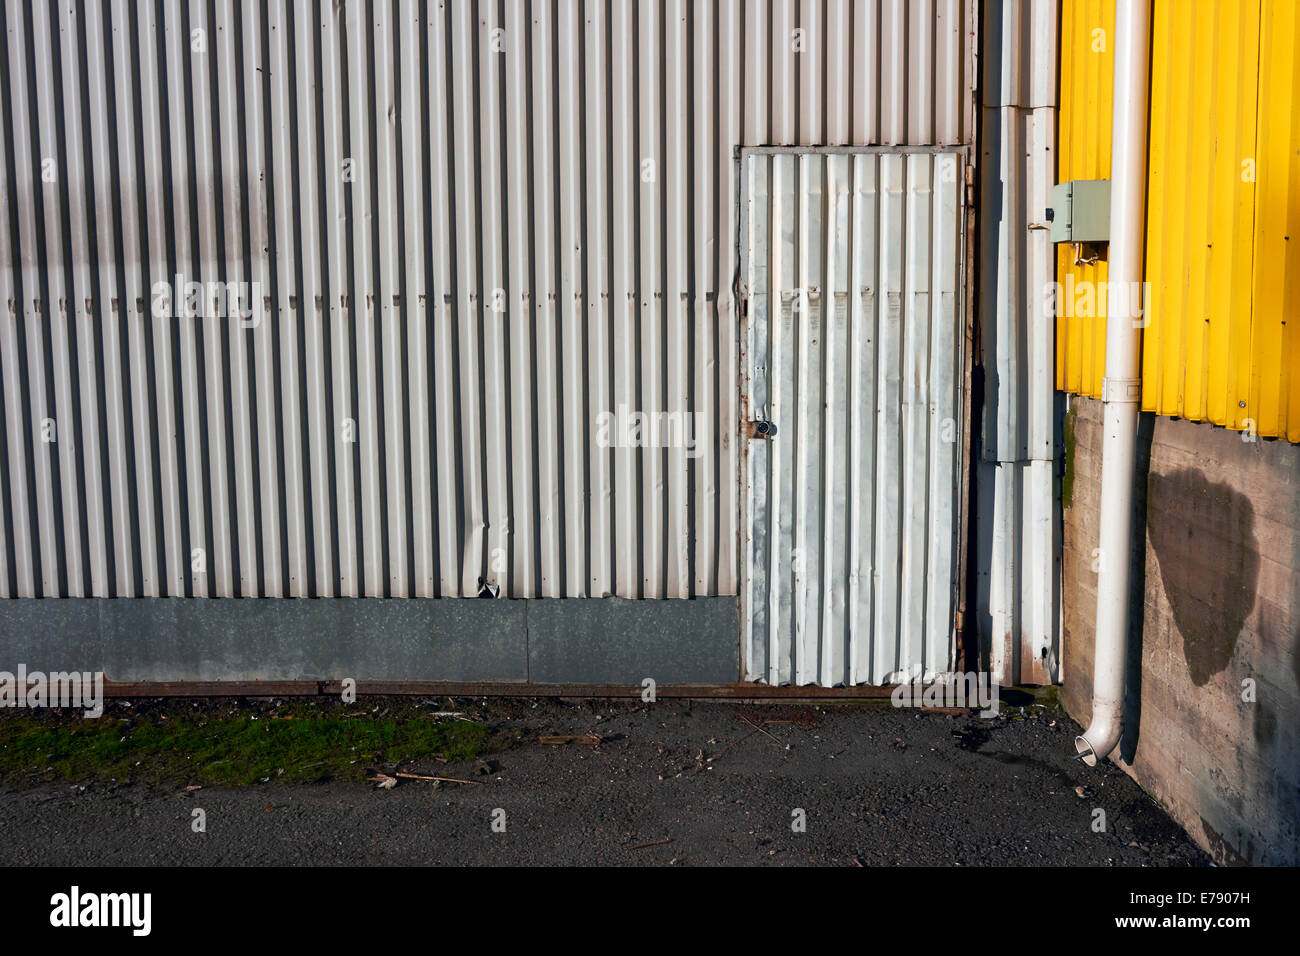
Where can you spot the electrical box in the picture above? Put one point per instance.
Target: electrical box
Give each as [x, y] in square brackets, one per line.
[1081, 211]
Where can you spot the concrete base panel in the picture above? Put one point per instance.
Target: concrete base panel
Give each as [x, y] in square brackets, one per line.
[1212, 716]
[598, 640]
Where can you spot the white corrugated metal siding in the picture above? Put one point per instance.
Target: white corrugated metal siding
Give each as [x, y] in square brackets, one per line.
[472, 228]
[852, 353]
[1017, 542]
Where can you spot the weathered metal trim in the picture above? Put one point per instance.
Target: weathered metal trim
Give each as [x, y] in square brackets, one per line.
[738, 692]
[1015, 501]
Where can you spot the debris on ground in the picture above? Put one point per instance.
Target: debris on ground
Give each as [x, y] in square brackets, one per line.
[421, 776]
[594, 740]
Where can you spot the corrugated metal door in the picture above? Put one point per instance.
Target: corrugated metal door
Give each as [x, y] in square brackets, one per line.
[852, 382]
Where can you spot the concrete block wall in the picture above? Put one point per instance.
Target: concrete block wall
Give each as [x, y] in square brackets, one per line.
[1216, 614]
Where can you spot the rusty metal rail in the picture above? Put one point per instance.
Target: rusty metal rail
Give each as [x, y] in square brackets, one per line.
[117, 689]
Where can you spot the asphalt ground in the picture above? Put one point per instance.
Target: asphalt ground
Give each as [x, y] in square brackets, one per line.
[669, 783]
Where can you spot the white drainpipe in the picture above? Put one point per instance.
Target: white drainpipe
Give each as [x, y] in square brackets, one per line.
[1121, 390]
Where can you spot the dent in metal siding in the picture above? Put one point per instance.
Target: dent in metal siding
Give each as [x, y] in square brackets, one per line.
[852, 349]
[474, 228]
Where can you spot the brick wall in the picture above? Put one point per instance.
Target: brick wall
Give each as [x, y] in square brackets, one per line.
[1216, 599]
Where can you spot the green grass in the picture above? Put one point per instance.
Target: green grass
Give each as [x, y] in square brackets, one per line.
[232, 749]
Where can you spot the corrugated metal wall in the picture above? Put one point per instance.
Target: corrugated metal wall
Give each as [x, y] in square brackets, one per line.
[1274, 395]
[466, 231]
[852, 349]
[1017, 504]
[1223, 240]
[1223, 206]
[1087, 85]
[1200, 208]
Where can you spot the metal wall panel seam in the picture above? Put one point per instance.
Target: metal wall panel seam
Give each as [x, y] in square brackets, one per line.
[626, 168]
[39, 412]
[496, 384]
[109, 308]
[264, 418]
[524, 519]
[416, 301]
[221, 558]
[946, 347]
[196, 557]
[316, 305]
[807, 342]
[839, 94]
[291, 311]
[56, 303]
[730, 108]
[160, 309]
[598, 224]
[571, 369]
[335, 222]
[650, 255]
[706, 249]
[392, 309]
[545, 274]
[235, 204]
[676, 185]
[755, 540]
[450, 556]
[836, 467]
[781, 396]
[920, 85]
[11, 416]
[915, 391]
[863, 594]
[365, 320]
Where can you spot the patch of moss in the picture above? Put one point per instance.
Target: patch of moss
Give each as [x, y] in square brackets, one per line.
[294, 745]
[1049, 697]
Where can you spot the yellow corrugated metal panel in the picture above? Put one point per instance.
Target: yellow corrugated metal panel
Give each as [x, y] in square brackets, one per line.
[1223, 208]
[1274, 399]
[1087, 74]
[1201, 196]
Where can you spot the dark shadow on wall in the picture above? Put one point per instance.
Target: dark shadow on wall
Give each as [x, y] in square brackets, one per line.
[1203, 535]
[1137, 590]
[1204, 540]
[973, 650]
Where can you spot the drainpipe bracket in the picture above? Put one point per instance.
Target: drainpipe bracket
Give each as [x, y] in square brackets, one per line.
[1121, 391]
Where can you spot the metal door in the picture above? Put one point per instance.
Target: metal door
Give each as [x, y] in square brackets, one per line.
[852, 402]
